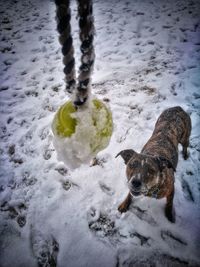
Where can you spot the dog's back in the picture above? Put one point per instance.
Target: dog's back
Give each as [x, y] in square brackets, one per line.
[172, 127]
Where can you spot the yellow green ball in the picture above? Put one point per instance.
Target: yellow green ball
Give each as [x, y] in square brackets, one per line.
[66, 124]
[63, 124]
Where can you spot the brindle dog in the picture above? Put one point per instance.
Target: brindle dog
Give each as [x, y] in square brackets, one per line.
[151, 172]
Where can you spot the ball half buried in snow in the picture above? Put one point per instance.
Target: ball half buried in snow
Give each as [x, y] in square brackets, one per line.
[80, 134]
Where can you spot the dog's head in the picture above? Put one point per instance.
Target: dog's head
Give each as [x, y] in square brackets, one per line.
[143, 171]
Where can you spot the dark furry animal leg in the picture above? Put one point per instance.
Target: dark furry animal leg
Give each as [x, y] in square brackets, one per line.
[123, 207]
[169, 210]
[185, 152]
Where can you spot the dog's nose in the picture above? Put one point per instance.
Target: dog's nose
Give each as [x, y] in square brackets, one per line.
[136, 184]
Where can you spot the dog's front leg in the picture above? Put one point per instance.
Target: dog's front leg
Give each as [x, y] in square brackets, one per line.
[169, 209]
[123, 207]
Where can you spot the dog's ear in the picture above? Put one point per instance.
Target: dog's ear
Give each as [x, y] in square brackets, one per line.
[164, 163]
[126, 154]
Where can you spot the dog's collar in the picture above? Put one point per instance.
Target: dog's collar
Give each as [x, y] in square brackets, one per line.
[153, 192]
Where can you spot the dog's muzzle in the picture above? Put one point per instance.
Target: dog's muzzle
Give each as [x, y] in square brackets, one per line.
[136, 187]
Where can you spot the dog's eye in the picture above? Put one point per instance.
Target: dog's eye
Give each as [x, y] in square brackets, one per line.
[134, 164]
[151, 172]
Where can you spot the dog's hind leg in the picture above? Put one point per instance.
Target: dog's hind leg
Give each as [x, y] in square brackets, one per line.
[123, 207]
[185, 145]
[185, 137]
[185, 152]
[169, 209]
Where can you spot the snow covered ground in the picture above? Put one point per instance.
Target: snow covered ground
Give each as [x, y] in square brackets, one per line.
[147, 59]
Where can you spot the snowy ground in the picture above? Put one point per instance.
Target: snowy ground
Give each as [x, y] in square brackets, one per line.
[147, 59]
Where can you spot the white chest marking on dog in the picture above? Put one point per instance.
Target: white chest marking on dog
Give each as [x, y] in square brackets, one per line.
[137, 177]
[130, 181]
[133, 196]
[157, 178]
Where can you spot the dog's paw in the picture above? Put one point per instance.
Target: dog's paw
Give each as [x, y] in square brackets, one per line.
[170, 214]
[185, 155]
[171, 218]
[122, 208]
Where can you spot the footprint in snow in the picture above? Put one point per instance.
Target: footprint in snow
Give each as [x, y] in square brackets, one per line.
[21, 220]
[187, 192]
[143, 215]
[103, 226]
[67, 184]
[173, 89]
[16, 212]
[14, 158]
[62, 170]
[106, 189]
[4, 88]
[28, 179]
[44, 133]
[47, 153]
[141, 240]
[45, 248]
[172, 240]
[34, 59]
[100, 160]
[155, 259]
[32, 92]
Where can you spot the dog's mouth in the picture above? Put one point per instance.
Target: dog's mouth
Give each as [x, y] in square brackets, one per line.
[135, 193]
